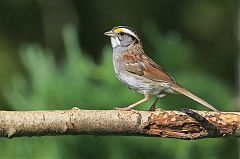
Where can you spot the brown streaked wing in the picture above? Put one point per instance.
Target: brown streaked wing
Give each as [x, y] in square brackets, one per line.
[142, 65]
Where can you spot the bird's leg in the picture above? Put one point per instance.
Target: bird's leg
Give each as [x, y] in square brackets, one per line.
[146, 97]
[153, 107]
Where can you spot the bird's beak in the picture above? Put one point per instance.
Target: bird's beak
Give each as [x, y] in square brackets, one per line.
[109, 33]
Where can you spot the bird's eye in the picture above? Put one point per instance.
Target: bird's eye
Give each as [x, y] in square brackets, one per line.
[121, 33]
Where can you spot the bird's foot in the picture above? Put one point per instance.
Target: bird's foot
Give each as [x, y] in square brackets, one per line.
[152, 108]
[155, 109]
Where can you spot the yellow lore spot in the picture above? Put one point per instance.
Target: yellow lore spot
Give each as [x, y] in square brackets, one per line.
[118, 30]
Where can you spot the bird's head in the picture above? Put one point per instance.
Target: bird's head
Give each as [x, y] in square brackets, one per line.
[122, 36]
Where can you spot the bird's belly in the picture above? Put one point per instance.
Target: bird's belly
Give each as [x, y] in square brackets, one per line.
[140, 84]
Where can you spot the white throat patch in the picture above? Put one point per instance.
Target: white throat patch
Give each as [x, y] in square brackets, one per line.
[115, 42]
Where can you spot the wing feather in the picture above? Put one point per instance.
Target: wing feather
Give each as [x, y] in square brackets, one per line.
[142, 65]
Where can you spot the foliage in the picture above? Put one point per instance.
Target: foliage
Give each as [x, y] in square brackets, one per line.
[78, 81]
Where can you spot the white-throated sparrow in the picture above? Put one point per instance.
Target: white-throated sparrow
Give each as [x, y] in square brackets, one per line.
[140, 73]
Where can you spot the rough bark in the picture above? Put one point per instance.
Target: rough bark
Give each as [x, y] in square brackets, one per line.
[185, 124]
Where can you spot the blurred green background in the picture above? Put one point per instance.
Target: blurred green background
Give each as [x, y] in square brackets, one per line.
[53, 55]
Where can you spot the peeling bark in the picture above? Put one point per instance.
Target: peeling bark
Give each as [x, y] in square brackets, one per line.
[185, 124]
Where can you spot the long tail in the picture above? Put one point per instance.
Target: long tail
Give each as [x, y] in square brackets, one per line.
[185, 92]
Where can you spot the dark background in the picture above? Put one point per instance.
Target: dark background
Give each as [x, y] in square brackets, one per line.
[53, 55]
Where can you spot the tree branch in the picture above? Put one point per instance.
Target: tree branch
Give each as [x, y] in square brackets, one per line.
[185, 124]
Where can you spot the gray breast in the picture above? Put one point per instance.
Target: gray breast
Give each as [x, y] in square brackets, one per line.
[133, 81]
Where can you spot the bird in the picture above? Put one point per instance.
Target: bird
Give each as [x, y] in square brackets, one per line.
[139, 72]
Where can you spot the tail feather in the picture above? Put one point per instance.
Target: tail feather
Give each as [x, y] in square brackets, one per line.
[185, 92]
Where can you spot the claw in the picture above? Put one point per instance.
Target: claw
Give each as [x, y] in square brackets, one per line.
[153, 107]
